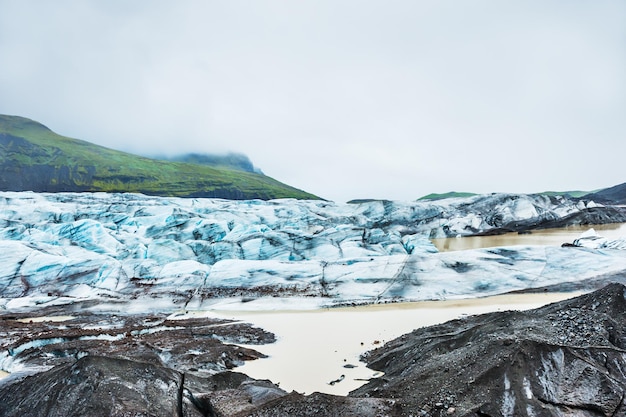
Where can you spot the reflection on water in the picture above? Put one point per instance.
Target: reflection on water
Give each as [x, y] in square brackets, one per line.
[553, 237]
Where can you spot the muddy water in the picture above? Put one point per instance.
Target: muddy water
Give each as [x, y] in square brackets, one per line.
[554, 237]
[315, 348]
[41, 319]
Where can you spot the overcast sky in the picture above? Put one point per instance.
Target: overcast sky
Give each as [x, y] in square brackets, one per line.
[345, 99]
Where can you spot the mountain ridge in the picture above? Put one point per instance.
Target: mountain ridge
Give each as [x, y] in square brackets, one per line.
[612, 195]
[34, 158]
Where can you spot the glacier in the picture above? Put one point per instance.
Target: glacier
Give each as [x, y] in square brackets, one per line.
[213, 253]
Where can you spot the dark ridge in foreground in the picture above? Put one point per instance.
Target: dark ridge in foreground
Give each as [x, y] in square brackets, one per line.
[564, 359]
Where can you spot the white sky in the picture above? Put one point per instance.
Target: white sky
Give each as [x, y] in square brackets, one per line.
[342, 98]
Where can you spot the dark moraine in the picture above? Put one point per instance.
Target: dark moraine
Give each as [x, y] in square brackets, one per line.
[564, 359]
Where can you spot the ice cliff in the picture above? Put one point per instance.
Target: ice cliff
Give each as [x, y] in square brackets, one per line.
[60, 247]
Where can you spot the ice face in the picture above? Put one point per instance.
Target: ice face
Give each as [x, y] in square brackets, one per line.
[119, 245]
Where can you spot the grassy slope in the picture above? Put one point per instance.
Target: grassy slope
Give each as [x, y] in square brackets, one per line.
[574, 194]
[436, 196]
[96, 168]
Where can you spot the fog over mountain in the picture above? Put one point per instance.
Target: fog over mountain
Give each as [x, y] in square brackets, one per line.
[345, 99]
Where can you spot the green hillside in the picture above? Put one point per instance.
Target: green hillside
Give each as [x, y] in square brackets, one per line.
[230, 160]
[451, 194]
[571, 194]
[34, 158]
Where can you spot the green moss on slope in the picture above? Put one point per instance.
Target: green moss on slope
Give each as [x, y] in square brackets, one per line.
[451, 194]
[35, 158]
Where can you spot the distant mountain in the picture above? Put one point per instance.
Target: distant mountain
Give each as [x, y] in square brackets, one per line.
[34, 158]
[611, 195]
[451, 194]
[569, 194]
[455, 194]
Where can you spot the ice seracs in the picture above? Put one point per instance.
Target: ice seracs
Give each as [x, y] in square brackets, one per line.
[127, 246]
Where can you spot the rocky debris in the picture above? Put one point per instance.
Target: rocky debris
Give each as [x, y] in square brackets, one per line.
[564, 359]
[116, 364]
[228, 394]
[201, 346]
[567, 358]
[97, 386]
[586, 216]
[325, 405]
[114, 387]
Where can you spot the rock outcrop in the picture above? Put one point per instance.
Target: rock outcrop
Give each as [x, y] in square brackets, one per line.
[201, 346]
[611, 195]
[565, 359]
[99, 386]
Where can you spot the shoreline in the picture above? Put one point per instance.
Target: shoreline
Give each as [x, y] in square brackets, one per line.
[313, 347]
[319, 349]
[550, 237]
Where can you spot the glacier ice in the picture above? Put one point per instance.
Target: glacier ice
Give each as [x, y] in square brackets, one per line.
[591, 239]
[60, 246]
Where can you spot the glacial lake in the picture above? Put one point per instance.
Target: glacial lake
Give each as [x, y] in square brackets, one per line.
[316, 347]
[319, 350]
[552, 237]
